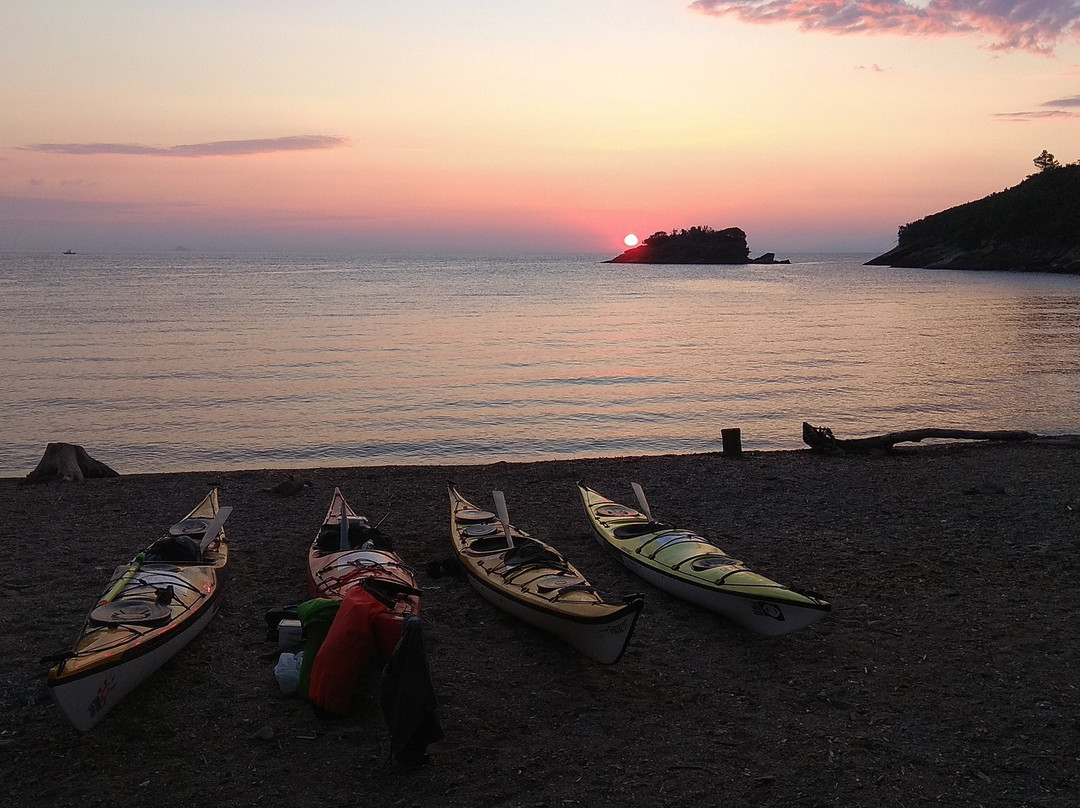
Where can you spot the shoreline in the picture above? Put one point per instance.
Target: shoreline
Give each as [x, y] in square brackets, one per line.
[945, 672]
[284, 468]
[301, 470]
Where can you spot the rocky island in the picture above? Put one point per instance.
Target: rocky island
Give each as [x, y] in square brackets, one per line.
[698, 245]
[1031, 227]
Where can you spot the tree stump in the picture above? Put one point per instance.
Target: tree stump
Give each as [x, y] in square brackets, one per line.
[68, 462]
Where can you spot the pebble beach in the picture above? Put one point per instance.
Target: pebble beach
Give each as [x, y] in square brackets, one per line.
[947, 672]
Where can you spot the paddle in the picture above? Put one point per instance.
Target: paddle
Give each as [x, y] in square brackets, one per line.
[214, 527]
[118, 587]
[212, 530]
[343, 544]
[639, 492]
[504, 517]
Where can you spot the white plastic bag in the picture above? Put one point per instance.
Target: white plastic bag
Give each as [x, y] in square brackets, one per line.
[287, 672]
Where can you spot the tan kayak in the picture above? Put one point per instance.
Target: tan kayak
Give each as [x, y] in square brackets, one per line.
[153, 606]
[532, 581]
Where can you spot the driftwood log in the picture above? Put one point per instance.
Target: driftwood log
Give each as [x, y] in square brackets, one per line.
[821, 439]
[66, 461]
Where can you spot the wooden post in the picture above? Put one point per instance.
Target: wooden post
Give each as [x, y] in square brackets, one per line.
[732, 442]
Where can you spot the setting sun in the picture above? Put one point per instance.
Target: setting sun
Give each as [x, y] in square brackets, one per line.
[631, 240]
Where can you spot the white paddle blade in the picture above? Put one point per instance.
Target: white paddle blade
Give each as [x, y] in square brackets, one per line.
[504, 516]
[343, 542]
[643, 503]
[214, 527]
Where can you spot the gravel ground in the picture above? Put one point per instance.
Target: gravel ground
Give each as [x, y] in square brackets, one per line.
[947, 672]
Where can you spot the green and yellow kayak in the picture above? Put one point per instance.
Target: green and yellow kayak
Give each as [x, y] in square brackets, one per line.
[692, 568]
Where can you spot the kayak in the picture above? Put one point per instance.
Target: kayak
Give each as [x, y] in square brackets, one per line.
[153, 606]
[348, 553]
[362, 594]
[530, 580]
[692, 568]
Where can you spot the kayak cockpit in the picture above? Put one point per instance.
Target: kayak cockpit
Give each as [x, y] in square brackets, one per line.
[635, 529]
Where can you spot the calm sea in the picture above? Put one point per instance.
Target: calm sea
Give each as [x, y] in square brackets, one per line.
[180, 361]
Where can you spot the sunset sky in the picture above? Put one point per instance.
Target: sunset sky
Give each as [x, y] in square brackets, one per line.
[486, 126]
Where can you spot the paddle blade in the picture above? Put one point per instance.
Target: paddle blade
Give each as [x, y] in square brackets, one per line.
[643, 503]
[504, 516]
[214, 527]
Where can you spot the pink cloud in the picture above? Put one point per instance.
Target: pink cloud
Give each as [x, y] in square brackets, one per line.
[221, 148]
[1031, 25]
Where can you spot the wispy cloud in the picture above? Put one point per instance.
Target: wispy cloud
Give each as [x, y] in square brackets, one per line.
[1037, 115]
[1054, 111]
[1072, 101]
[220, 148]
[1031, 25]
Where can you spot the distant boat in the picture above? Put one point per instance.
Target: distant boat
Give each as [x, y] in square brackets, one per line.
[69, 252]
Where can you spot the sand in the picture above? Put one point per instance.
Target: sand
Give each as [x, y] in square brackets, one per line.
[947, 673]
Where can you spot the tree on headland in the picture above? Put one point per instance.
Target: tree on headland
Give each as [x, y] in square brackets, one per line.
[698, 233]
[1046, 161]
[1033, 226]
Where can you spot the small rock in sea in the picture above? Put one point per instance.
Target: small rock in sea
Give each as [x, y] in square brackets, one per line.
[264, 733]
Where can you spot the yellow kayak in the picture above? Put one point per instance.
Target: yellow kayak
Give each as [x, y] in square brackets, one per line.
[152, 607]
[692, 568]
[532, 581]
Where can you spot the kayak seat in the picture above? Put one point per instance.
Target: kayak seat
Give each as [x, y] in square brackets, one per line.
[175, 550]
[709, 561]
[488, 545]
[530, 555]
[529, 551]
[360, 533]
[636, 529]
